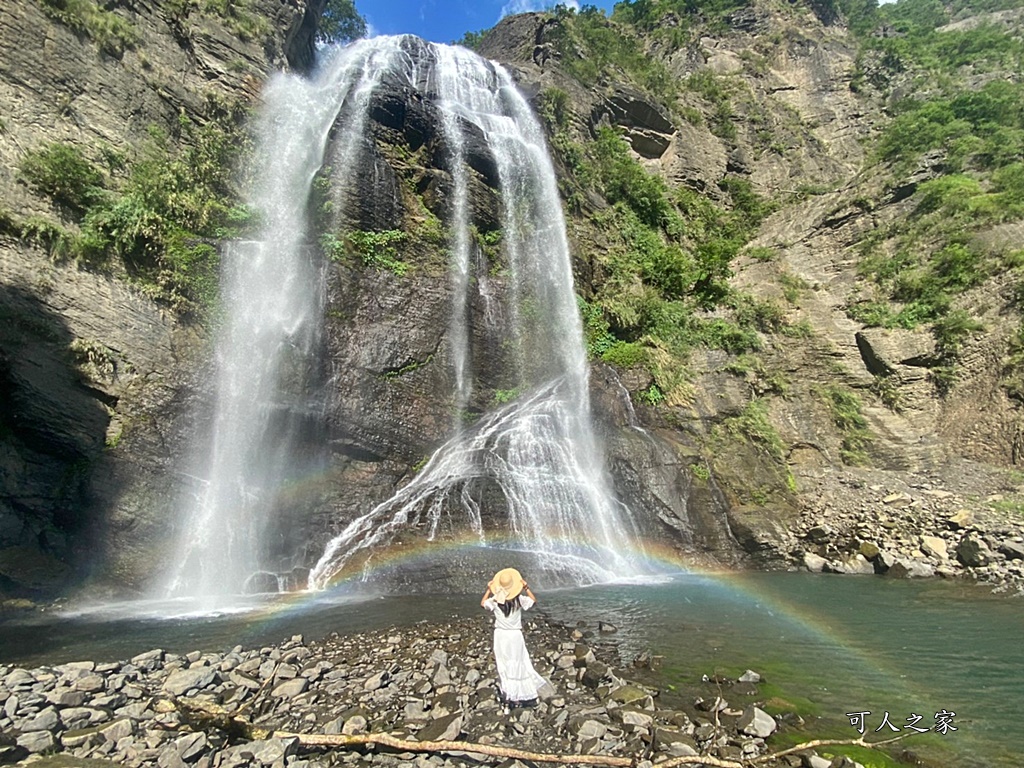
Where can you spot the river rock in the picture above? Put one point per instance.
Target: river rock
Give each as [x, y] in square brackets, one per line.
[869, 549]
[273, 751]
[190, 747]
[814, 563]
[47, 720]
[291, 688]
[750, 676]
[961, 520]
[286, 672]
[591, 729]
[717, 704]
[884, 561]
[907, 568]
[594, 674]
[1012, 550]
[376, 681]
[148, 661]
[973, 552]
[37, 741]
[628, 694]
[184, 680]
[854, 564]
[18, 678]
[934, 546]
[74, 718]
[898, 500]
[635, 718]
[67, 697]
[445, 728]
[756, 722]
[90, 683]
[353, 725]
[117, 730]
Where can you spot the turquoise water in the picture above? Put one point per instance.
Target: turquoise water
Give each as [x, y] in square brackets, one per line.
[845, 644]
[831, 644]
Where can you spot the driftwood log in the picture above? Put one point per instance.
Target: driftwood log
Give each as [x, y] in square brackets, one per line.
[205, 716]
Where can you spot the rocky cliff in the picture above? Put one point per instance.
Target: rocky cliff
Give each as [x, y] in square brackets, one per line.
[834, 408]
[742, 398]
[90, 355]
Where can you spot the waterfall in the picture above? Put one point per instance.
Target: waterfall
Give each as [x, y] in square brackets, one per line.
[266, 349]
[538, 448]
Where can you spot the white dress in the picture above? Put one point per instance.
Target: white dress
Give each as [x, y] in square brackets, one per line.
[519, 680]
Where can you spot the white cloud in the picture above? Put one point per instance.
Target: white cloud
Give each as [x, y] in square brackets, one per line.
[526, 6]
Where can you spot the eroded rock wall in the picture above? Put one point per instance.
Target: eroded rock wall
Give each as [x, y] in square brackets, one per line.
[97, 377]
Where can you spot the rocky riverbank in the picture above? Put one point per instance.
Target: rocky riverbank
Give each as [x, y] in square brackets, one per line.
[426, 682]
[913, 525]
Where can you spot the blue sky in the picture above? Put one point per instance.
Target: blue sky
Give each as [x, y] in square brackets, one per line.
[444, 21]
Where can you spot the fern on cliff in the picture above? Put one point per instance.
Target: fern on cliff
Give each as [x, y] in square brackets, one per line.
[61, 172]
[110, 32]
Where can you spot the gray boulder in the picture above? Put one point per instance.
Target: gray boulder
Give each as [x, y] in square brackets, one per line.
[184, 680]
[973, 552]
[756, 722]
[814, 563]
[442, 729]
[905, 568]
[1012, 550]
[934, 546]
[37, 741]
[47, 720]
[291, 688]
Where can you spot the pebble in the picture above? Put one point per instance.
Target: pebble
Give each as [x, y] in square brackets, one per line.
[373, 682]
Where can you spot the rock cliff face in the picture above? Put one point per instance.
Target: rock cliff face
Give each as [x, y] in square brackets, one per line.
[87, 359]
[790, 77]
[103, 389]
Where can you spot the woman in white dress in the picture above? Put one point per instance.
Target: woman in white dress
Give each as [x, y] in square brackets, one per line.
[507, 596]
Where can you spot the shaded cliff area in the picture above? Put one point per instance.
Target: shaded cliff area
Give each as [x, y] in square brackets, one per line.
[798, 286]
[116, 117]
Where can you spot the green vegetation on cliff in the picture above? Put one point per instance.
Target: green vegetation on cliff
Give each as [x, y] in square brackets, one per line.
[662, 286]
[156, 215]
[112, 33]
[378, 250]
[963, 131]
[936, 209]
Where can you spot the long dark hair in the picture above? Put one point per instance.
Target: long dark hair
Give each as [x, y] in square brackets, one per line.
[509, 605]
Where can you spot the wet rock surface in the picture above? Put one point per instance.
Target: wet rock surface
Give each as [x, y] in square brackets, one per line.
[430, 681]
[87, 356]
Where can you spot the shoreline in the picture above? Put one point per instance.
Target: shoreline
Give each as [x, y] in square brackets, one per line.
[862, 521]
[428, 681]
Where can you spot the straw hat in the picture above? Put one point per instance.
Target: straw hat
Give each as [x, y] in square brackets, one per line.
[506, 584]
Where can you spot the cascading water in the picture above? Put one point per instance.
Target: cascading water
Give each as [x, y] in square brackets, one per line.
[266, 350]
[538, 449]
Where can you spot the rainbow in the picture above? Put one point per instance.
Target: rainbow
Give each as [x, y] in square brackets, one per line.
[653, 559]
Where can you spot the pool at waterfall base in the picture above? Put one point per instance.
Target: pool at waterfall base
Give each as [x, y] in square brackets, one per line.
[827, 647]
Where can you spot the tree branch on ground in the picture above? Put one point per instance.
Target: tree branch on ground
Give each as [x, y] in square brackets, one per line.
[204, 715]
